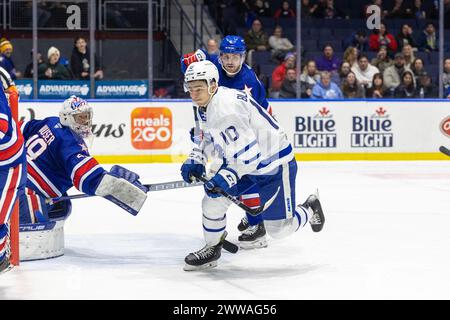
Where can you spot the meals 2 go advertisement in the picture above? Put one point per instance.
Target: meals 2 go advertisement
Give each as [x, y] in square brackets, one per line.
[155, 131]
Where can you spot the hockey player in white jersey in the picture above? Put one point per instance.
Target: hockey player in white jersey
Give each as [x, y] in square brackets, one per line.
[256, 154]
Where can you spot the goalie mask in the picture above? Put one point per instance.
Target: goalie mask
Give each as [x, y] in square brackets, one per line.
[76, 114]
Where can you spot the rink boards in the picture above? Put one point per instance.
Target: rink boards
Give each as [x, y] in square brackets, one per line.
[158, 130]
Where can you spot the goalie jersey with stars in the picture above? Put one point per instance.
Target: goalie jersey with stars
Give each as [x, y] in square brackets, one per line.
[243, 133]
[58, 159]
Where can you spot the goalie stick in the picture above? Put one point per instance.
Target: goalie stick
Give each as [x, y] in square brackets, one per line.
[251, 211]
[151, 187]
[444, 150]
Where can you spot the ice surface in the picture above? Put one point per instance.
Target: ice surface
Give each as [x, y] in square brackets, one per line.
[387, 236]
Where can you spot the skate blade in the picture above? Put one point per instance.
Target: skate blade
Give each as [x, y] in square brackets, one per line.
[206, 266]
[247, 245]
[6, 269]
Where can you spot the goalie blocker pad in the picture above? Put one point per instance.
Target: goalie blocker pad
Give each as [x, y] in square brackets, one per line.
[121, 192]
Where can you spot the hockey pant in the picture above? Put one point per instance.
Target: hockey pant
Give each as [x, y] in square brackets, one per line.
[33, 208]
[281, 219]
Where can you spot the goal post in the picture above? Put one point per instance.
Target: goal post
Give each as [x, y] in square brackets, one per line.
[14, 219]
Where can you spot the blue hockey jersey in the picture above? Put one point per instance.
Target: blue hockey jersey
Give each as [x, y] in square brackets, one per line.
[11, 140]
[58, 159]
[245, 80]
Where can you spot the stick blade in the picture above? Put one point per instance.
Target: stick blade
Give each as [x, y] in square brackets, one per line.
[444, 150]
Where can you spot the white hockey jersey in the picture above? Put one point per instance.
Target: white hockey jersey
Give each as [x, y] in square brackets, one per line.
[243, 133]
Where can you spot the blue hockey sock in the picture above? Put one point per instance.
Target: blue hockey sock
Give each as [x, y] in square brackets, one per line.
[254, 220]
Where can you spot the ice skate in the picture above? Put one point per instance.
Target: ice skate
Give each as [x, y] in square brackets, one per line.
[253, 237]
[205, 258]
[318, 218]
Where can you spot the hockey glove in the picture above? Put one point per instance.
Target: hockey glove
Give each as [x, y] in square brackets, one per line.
[195, 56]
[224, 179]
[194, 165]
[123, 188]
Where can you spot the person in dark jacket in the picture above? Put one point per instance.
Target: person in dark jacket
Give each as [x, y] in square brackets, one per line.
[79, 61]
[289, 85]
[407, 89]
[53, 69]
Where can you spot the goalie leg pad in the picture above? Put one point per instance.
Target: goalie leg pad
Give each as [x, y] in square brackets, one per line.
[121, 192]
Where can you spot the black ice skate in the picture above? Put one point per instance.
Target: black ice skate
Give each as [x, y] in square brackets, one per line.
[318, 219]
[205, 258]
[5, 265]
[253, 237]
[243, 224]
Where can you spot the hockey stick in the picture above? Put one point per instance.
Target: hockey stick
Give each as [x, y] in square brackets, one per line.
[240, 204]
[444, 150]
[151, 187]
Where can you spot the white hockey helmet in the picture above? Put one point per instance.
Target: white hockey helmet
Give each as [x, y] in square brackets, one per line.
[77, 114]
[201, 70]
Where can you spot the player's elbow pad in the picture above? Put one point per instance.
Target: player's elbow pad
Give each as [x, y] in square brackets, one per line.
[129, 196]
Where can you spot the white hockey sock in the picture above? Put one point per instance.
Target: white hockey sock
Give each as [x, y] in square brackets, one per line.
[303, 215]
[213, 229]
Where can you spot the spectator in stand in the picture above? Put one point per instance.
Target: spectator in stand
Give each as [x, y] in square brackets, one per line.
[344, 70]
[285, 11]
[364, 71]
[325, 88]
[379, 4]
[279, 73]
[407, 88]
[308, 79]
[256, 38]
[261, 8]
[433, 11]
[446, 74]
[309, 9]
[280, 46]
[351, 56]
[377, 91]
[426, 88]
[419, 10]
[401, 10]
[405, 37]
[6, 62]
[289, 85]
[29, 68]
[392, 75]
[447, 93]
[382, 38]
[212, 46]
[53, 70]
[329, 11]
[351, 88]
[79, 61]
[382, 60]
[418, 69]
[357, 40]
[429, 39]
[328, 61]
[408, 53]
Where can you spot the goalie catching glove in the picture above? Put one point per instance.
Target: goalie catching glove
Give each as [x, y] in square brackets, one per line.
[122, 187]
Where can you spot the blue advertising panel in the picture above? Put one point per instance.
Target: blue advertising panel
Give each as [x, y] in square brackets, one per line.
[137, 89]
[61, 89]
[25, 88]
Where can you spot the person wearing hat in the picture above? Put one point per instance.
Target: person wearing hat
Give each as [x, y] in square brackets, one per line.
[6, 62]
[279, 72]
[53, 69]
[393, 74]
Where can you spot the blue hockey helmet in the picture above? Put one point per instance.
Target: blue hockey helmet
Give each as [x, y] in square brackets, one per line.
[233, 44]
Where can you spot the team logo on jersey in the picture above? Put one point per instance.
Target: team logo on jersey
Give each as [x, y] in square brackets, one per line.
[151, 128]
[445, 127]
[316, 131]
[374, 131]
